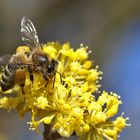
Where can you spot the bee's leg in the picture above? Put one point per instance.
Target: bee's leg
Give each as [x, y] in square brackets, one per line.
[22, 88]
[31, 73]
[46, 79]
[54, 80]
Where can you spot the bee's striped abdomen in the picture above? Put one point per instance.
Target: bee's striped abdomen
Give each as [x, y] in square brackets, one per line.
[8, 77]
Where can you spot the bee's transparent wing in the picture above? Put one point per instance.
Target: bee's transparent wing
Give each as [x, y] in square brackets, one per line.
[29, 33]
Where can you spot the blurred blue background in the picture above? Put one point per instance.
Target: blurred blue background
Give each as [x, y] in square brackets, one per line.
[110, 28]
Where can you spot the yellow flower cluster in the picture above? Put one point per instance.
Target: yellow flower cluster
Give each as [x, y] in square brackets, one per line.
[67, 102]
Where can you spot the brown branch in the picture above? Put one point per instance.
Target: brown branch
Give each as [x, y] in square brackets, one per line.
[48, 134]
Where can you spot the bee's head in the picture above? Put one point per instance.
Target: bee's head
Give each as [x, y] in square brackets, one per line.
[46, 65]
[51, 67]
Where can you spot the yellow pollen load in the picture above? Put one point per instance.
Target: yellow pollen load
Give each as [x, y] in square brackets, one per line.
[23, 49]
[70, 103]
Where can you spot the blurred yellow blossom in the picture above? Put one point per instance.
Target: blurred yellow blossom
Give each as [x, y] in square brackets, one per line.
[67, 102]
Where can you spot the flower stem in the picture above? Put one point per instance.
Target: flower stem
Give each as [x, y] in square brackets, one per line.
[48, 134]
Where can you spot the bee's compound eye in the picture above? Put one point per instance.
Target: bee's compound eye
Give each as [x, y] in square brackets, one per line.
[50, 68]
[40, 59]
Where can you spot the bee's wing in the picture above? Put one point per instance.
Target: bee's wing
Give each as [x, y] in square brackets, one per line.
[29, 33]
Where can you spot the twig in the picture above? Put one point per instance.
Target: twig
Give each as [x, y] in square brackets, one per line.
[48, 134]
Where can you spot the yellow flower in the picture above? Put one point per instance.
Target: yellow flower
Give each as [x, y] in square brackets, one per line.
[67, 101]
[100, 112]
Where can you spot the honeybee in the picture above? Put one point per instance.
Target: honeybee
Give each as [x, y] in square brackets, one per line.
[30, 58]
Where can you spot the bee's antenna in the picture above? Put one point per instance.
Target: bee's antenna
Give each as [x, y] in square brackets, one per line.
[60, 75]
[55, 78]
